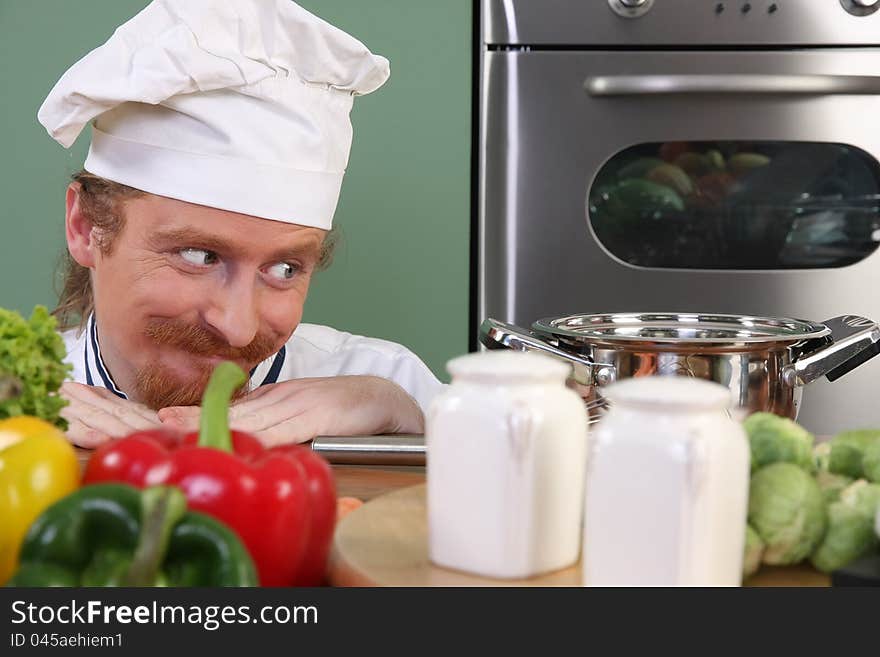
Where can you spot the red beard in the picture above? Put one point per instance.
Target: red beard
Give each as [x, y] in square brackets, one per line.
[158, 387]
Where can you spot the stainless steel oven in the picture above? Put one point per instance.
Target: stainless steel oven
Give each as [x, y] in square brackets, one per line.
[684, 155]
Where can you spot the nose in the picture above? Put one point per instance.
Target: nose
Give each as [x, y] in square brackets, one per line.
[232, 312]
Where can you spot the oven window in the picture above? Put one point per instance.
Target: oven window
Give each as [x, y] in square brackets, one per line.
[738, 205]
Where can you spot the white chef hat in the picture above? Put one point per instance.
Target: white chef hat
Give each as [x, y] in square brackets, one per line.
[241, 105]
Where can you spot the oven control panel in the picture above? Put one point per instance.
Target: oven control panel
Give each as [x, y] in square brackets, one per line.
[638, 8]
[643, 23]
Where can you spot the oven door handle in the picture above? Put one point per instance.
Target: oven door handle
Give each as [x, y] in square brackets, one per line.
[651, 85]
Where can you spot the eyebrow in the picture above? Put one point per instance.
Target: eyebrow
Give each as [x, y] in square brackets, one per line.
[310, 249]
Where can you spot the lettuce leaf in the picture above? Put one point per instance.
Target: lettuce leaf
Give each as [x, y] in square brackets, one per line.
[32, 366]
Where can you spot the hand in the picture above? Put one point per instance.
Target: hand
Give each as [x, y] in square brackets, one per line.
[299, 410]
[95, 415]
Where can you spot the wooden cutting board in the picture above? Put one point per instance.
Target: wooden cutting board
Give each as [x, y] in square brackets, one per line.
[385, 543]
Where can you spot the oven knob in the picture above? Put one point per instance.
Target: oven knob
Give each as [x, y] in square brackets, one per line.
[861, 7]
[630, 8]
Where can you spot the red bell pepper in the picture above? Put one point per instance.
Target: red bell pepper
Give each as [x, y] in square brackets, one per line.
[281, 501]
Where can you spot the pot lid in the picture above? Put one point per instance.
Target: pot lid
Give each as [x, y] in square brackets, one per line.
[681, 328]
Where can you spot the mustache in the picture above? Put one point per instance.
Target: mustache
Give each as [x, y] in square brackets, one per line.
[202, 342]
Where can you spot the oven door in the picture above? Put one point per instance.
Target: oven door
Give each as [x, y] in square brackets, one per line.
[743, 183]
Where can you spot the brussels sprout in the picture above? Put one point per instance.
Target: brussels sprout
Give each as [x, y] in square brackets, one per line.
[849, 536]
[848, 450]
[871, 462]
[754, 550]
[850, 533]
[775, 439]
[858, 437]
[862, 495]
[787, 511]
[845, 459]
[831, 485]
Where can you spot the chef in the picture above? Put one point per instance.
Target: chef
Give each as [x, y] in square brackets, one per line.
[220, 135]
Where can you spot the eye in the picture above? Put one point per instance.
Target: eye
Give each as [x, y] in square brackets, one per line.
[283, 271]
[199, 257]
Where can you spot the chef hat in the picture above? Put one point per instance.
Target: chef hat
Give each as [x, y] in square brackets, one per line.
[241, 105]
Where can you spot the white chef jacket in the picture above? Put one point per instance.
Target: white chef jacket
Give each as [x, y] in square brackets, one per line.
[312, 351]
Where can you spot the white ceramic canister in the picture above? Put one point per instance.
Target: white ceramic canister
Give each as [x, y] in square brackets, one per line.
[667, 487]
[506, 456]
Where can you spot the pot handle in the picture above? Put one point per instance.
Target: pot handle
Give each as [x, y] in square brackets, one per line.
[855, 340]
[499, 335]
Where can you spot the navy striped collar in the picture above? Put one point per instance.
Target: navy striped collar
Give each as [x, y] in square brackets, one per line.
[95, 368]
[98, 374]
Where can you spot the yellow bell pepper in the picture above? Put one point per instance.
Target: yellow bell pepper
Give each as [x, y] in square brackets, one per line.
[38, 466]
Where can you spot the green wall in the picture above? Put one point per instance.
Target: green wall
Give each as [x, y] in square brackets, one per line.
[401, 270]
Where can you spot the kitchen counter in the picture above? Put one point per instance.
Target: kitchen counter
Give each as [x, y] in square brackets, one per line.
[370, 481]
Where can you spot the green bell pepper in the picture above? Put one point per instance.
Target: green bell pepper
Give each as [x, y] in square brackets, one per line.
[118, 535]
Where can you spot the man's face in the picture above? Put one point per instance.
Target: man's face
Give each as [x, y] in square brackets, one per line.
[186, 286]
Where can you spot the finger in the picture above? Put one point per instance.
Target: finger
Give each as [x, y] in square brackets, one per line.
[182, 418]
[95, 418]
[270, 394]
[274, 392]
[111, 403]
[82, 435]
[324, 406]
[258, 418]
[271, 408]
[289, 432]
[129, 408]
[181, 412]
[84, 388]
[258, 392]
[136, 416]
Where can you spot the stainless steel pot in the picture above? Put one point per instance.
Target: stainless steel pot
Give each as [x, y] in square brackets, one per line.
[763, 361]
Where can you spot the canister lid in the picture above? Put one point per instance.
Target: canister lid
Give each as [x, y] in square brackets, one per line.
[508, 366]
[668, 392]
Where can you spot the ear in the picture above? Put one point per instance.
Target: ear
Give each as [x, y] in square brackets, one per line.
[78, 229]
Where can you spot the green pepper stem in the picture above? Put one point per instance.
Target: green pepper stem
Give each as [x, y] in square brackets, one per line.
[214, 422]
[162, 507]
